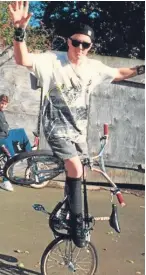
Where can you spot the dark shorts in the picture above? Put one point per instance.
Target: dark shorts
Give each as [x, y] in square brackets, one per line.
[65, 149]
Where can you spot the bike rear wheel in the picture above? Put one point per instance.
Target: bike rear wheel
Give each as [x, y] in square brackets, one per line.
[62, 257]
[35, 168]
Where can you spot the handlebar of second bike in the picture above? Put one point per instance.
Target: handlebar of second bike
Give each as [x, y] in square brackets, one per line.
[105, 129]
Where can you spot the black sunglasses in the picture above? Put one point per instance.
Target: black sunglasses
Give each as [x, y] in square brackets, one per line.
[77, 43]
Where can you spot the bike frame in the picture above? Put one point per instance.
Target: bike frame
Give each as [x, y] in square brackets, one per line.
[114, 191]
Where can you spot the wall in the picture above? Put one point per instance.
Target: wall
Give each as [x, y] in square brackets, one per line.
[24, 102]
[122, 107]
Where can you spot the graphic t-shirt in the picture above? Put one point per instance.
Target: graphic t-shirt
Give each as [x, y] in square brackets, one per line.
[67, 88]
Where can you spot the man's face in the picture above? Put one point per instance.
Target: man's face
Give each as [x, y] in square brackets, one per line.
[79, 45]
[3, 105]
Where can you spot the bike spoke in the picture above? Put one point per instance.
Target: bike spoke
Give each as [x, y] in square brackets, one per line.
[34, 170]
[69, 259]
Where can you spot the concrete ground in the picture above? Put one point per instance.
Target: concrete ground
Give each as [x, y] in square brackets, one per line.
[25, 233]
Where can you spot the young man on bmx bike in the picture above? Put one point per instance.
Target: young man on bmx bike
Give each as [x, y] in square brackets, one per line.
[68, 79]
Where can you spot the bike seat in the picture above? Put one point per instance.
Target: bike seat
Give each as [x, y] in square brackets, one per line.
[141, 168]
[114, 222]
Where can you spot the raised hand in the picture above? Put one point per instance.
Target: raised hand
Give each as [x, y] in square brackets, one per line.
[19, 13]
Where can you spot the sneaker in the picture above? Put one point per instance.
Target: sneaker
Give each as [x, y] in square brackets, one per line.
[78, 235]
[61, 220]
[63, 213]
[6, 185]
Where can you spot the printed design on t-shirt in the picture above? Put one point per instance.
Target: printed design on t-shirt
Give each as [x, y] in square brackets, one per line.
[65, 110]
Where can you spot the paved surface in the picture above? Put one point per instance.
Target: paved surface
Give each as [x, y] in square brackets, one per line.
[26, 231]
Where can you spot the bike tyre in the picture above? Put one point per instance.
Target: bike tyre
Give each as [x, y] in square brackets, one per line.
[10, 164]
[56, 242]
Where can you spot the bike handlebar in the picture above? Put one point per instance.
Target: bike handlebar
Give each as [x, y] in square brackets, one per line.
[120, 198]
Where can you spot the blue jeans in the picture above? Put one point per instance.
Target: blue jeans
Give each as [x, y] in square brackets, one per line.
[16, 142]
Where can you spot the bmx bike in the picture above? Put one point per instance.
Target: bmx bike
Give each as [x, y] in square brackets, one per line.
[62, 256]
[5, 158]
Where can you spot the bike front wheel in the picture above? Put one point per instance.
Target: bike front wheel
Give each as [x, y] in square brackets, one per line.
[35, 168]
[62, 257]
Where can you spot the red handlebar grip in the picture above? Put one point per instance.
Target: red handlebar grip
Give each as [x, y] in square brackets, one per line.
[36, 141]
[106, 129]
[120, 198]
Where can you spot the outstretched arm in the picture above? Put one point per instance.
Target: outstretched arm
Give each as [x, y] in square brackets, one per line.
[125, 73]
[20, 17]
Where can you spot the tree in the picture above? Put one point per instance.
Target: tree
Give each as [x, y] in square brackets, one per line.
[36, 40]
[6, 30]
[118, 25]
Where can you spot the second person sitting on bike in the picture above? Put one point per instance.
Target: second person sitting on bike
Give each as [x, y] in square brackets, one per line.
[14, 140]
[68, 79]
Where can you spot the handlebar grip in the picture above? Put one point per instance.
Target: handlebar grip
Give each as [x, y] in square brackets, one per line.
[106, 129]
[5, 150]
[120, 198]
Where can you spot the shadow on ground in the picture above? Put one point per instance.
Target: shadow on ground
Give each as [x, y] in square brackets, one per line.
[8, 267]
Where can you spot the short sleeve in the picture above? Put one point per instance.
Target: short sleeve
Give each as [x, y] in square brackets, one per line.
[42, 66]
[104, 71]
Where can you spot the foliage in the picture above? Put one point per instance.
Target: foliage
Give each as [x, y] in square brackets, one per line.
[36, 40]
[118, 25]
[6, 29]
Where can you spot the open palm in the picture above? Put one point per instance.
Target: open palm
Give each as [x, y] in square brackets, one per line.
[19, 13]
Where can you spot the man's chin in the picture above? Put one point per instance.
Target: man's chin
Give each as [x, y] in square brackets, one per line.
[79, 56]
